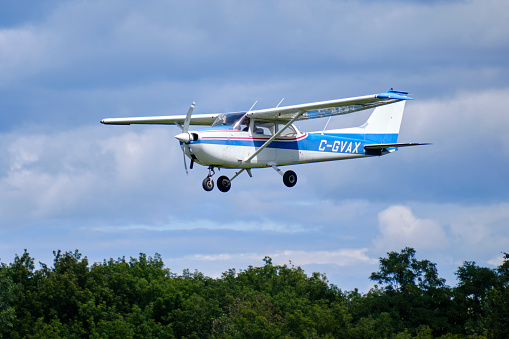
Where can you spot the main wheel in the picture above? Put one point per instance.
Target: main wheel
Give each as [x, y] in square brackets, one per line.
[223, 183]
[290, 178]
[208, 184]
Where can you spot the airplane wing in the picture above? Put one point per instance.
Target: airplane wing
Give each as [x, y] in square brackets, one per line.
[279, 114]
[197, 119]
[328, 108]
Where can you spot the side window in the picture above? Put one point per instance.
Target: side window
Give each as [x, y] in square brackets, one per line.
[289, 132]
[265, 128]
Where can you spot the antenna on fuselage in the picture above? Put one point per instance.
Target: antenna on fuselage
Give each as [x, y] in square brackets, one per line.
[252, 107]
[237, 124]
[326, 125]
[280, 103]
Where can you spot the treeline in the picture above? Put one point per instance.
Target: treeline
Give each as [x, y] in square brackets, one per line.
[140, 298]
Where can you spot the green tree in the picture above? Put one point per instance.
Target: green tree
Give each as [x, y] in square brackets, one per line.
[412, 293]
[140, 298]
[65, 287]
[402, 272]
[25, 280]
[496, 306]
[475, 281]
[7, 310]
[470, 294]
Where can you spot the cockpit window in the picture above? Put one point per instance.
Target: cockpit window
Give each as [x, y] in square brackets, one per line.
[266, 128]
[240, 121]
[227, 119]
[290, 132]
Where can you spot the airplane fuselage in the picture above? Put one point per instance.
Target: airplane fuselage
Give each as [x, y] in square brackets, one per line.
[229, 148]
[268, 137]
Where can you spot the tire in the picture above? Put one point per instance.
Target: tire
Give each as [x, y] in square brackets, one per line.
[223, 183]
[208, 184]
[290, 178]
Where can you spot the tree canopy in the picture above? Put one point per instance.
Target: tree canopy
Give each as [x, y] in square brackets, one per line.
[140, 298]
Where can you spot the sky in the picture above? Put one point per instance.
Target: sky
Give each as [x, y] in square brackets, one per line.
[68, 182]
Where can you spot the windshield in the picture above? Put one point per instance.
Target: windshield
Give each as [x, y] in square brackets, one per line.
[227, 119]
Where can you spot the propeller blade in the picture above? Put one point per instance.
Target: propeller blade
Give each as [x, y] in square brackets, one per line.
[185, 163]
[185, 128]
[185, 137]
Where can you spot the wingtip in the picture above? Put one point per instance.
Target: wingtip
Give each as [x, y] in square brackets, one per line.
[393, 94]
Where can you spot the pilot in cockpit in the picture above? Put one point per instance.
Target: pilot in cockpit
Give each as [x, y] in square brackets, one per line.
[245, 122]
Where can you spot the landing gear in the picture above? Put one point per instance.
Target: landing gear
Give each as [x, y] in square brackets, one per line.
[208, 184]
[290, 178]
[223, 183]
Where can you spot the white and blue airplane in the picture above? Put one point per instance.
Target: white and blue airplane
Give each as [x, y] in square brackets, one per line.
[269, 138]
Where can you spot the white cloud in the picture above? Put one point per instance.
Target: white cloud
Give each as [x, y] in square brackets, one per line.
[497, 261]
[56, 175]
[207, 224]
[214, 264]
[480, 230]
[125, 186]
[469, 234]
[399, 228]
[104, 42]
[25, 52]
[466, 122]
[341, 257]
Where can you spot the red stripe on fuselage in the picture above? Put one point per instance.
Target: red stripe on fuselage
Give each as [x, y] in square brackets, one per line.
[250, 138]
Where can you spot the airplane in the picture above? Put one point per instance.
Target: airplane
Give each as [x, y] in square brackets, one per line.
[269, 138]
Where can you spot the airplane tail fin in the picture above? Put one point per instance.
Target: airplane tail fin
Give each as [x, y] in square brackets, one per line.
[384, 123]
[380, 132]
[382, 126]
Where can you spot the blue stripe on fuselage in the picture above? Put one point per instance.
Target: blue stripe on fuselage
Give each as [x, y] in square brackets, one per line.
[366, 138]
[327, 142]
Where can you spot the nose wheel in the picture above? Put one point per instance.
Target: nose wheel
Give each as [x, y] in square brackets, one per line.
[223, 182]
[208, 184]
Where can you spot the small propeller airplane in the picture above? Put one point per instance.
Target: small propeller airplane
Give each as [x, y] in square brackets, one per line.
[269, 138]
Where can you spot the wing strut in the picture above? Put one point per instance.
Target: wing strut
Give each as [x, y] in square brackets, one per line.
[267, 143]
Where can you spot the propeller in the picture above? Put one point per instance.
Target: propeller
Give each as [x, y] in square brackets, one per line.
[185, 137]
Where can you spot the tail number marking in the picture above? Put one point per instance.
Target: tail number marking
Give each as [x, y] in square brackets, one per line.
[340, 146]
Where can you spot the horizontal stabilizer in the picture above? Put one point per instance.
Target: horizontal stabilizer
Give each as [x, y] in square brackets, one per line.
[403, 144]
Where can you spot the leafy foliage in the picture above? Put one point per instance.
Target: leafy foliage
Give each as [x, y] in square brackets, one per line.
[140, 298]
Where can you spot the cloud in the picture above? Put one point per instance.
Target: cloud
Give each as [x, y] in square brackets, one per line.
[203, 224]
[215, 264]
[24, 52]
[497, 261]
[90, 44]
[465, 163]
[75, 172]
[400, 228]
[67, 181]
[480, 230]
[343, 257]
